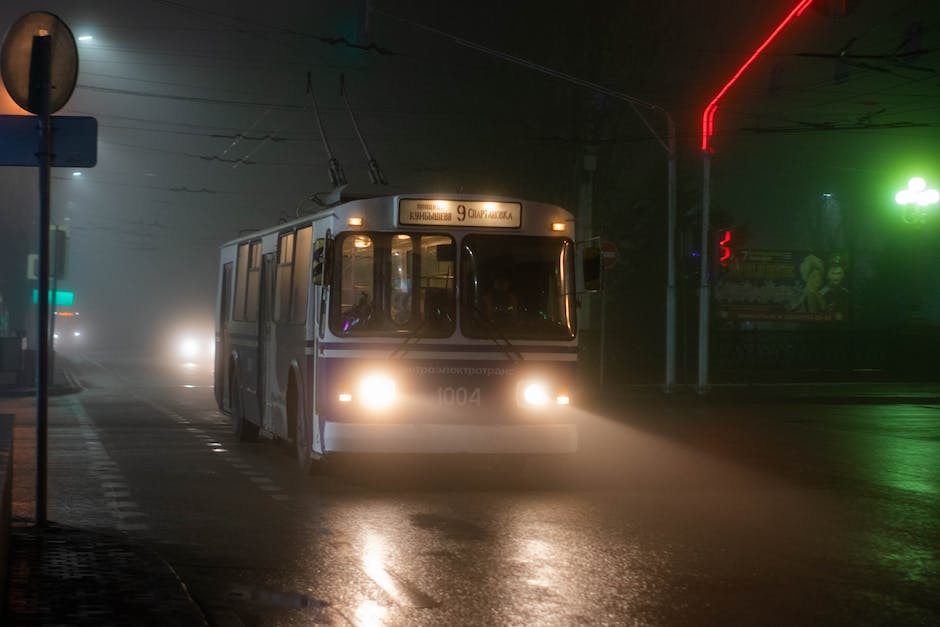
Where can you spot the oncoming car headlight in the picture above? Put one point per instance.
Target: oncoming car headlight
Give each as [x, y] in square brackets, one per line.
[189, 348]
[535, 393]
[195, 349]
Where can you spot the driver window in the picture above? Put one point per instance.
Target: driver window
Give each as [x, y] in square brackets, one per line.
[401, 282]
[357, 297]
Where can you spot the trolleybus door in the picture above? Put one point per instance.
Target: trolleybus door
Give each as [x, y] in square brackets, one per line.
[267, 354]
[223, 348]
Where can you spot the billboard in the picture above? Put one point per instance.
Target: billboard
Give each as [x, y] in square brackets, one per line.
[783, 286]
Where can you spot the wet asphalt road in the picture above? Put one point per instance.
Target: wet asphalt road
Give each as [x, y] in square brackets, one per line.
[671, 515]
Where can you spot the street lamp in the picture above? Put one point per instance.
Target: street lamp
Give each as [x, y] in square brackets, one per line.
[708, 129]
[917, 194]
[916, 198]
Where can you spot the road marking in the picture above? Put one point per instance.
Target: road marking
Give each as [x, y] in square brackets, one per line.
[214, 444]
[112, 482]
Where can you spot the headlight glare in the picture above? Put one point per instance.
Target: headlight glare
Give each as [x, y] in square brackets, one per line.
[377, 391]
[189, 348]
[535, 393]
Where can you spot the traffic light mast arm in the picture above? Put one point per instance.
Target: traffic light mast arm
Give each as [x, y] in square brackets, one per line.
[708, 116]
[708, 128]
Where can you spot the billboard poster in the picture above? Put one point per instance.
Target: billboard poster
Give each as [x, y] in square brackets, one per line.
[783, 286]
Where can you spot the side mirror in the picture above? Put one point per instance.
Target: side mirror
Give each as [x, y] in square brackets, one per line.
[592, 266]
[321, 261]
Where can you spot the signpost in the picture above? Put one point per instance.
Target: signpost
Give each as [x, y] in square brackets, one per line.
[74, 141]
[39, 63]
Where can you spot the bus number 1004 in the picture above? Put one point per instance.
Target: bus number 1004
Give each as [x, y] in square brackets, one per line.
[459, 396]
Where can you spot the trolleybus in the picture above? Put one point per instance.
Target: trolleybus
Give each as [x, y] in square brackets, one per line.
[412, 324]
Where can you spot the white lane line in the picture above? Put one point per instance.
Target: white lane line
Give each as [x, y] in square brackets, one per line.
[213, 441]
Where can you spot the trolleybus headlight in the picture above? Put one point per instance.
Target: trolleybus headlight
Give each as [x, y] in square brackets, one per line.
[535, 393]
[377, 391]
[541, 394]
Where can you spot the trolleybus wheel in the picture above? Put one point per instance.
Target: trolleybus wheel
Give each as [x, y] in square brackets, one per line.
[305, 462]
[244, 430]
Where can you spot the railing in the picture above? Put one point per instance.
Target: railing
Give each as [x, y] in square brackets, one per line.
[830, 354]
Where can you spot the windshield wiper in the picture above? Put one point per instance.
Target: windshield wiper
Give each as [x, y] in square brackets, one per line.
[415, 335]
[511, 351]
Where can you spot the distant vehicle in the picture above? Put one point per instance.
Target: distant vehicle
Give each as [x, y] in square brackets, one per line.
[194, 349]
[69, 331]
[369, 327]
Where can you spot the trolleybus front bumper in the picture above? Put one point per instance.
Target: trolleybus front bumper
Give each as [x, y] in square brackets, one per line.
[534, 439]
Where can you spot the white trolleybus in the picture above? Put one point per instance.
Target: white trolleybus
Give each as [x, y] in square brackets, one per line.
[409, 324]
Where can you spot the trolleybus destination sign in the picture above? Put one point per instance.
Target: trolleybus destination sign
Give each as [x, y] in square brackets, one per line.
[506, 215]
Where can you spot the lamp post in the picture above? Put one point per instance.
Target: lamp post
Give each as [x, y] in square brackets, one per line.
[708, 128]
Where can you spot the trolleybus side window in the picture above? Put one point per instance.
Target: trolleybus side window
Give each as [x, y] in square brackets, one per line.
[241, 283]
[285, 265]
[301, 282]
[253, 290]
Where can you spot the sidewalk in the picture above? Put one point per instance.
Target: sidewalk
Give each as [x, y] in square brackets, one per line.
[63, 575]
[68, 576]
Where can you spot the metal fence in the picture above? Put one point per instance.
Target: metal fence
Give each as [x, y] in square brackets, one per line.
[742, 356]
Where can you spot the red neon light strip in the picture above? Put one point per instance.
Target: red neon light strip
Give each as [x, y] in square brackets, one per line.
[708, 117]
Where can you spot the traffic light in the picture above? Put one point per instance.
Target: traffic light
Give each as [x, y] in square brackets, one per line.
[725, 247]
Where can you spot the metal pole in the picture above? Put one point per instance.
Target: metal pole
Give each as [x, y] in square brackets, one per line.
[671, 260]
[40, 79]
[603, 334]
[703, 303]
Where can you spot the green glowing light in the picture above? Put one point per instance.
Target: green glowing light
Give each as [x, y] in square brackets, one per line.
[62, 299]
[917, 194]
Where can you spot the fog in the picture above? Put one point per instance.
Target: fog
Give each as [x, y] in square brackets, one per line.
[206, 128]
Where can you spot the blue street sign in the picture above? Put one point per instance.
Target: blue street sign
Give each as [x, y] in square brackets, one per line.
[74, 141]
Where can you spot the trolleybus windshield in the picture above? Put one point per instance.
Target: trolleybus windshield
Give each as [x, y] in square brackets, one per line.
[394, 283]
[517, 287]
[512, 286]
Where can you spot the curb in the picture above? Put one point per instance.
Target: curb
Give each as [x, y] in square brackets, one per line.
[6, 501]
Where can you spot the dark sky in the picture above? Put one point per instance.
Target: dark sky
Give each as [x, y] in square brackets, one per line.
[205, 128]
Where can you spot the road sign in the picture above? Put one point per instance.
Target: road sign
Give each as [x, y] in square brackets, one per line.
[62, 299]
[74, 141]
[17, 58]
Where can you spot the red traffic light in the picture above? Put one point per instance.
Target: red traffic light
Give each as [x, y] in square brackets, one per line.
[724, 247]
